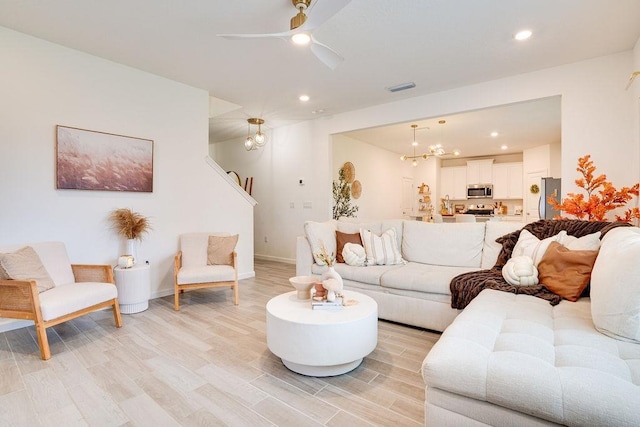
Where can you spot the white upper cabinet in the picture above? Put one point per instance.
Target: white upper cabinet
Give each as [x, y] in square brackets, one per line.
[507, 181]
[480, 171]
[453, 182]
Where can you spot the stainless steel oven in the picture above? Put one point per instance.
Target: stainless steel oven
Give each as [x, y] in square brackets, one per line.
[479, 191]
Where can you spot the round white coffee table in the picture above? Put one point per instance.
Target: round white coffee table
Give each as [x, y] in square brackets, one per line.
[325, 342]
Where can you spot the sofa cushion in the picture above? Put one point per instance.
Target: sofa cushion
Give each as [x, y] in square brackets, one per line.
[615, 285]
[370, 275]
[456, 245]
[565, 272]
[25, 264]
[62, 300]
[319, 234]
[382, 249]
[519, 352]
[422, 277]
[491, 249]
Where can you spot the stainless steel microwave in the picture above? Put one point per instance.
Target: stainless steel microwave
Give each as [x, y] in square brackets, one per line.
[479, 191]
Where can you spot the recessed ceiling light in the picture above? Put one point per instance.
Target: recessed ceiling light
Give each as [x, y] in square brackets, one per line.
[319, 111]
[301, 38]
[503, 147]
[304, 98]
[523, 35]
[494, 134]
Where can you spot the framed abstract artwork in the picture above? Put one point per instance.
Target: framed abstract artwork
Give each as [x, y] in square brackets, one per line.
[91, 160]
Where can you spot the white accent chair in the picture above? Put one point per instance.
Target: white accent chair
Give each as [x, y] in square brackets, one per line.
[192, 272]
[78, 290]
[465, 218]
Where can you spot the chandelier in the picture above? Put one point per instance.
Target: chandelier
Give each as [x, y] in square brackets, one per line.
[434, 150]
[258, 139]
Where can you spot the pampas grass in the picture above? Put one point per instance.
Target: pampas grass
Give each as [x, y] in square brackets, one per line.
[129, 224]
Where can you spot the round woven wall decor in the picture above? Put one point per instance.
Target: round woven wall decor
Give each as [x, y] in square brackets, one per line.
[356, 189]
[349, 172]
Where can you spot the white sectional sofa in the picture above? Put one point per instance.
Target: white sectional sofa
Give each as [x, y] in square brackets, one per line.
[516, 360]
[416, 293]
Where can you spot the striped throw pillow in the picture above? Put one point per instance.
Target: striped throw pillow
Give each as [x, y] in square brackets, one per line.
[383, 249]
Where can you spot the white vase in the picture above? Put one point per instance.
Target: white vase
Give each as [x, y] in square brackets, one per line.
[132, 249]
[331, 273]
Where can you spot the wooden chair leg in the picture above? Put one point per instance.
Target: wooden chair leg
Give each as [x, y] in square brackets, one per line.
[43, 341]
[235, 293]
[116, 314]
[176, 299]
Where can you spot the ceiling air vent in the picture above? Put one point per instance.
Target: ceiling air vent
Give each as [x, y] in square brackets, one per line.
[402, 86]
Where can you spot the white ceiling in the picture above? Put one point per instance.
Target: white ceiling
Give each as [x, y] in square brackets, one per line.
[438, 44]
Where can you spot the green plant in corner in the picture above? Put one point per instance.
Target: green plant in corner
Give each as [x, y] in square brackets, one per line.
[342, 197]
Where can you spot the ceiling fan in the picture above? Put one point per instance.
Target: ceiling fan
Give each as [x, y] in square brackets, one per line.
[302, 27]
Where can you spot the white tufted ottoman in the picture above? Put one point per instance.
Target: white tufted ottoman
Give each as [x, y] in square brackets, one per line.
[516, 360]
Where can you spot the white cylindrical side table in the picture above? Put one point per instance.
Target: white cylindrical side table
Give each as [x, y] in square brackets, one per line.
[134, 288]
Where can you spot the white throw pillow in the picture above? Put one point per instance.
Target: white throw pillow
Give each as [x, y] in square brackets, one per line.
[321, 233]
[529, 245]
[590, 242]
[354, 254]
[615, 285]
[383, 249]
[520, 271]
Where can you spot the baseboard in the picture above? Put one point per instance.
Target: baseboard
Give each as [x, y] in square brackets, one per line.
[7, 325]
[275, 258]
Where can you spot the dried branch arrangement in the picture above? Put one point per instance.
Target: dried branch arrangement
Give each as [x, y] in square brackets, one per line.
[129, 224]
[601, 196]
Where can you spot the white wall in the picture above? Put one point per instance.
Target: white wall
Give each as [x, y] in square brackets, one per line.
[379, 171]
[43, 85]
[598, 117]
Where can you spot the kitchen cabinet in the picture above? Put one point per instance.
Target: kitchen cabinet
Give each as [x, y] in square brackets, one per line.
[453, 181]
[480, 171]
[507, 181]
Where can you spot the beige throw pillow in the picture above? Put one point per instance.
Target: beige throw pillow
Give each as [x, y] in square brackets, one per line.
[25, 264]
[220, 250]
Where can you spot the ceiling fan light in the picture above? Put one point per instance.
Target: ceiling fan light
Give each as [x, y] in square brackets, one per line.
[301, 39]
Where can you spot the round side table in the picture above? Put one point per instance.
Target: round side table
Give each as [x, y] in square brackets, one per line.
[321, 343]
[134, 288]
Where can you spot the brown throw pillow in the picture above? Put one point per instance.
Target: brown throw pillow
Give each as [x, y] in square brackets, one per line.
[25, 264]
[220, 249]
[565, 272]
[344, 238]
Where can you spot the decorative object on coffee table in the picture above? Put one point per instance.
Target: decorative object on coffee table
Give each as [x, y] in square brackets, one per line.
[303, 285]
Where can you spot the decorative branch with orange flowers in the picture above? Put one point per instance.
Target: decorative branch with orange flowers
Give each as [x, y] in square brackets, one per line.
[601, 197]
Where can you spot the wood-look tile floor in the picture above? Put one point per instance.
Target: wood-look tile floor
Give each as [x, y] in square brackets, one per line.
[206, 365]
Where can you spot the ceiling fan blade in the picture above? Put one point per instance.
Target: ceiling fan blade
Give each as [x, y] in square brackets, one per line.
[321, 11]
[325, 54]
[283, 35]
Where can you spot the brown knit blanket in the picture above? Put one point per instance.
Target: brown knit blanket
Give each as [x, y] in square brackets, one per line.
[467, 286]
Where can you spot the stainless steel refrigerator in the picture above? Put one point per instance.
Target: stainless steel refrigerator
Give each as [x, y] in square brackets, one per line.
[548, 187]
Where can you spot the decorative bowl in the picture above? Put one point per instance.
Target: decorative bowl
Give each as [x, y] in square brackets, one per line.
[303, 285]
